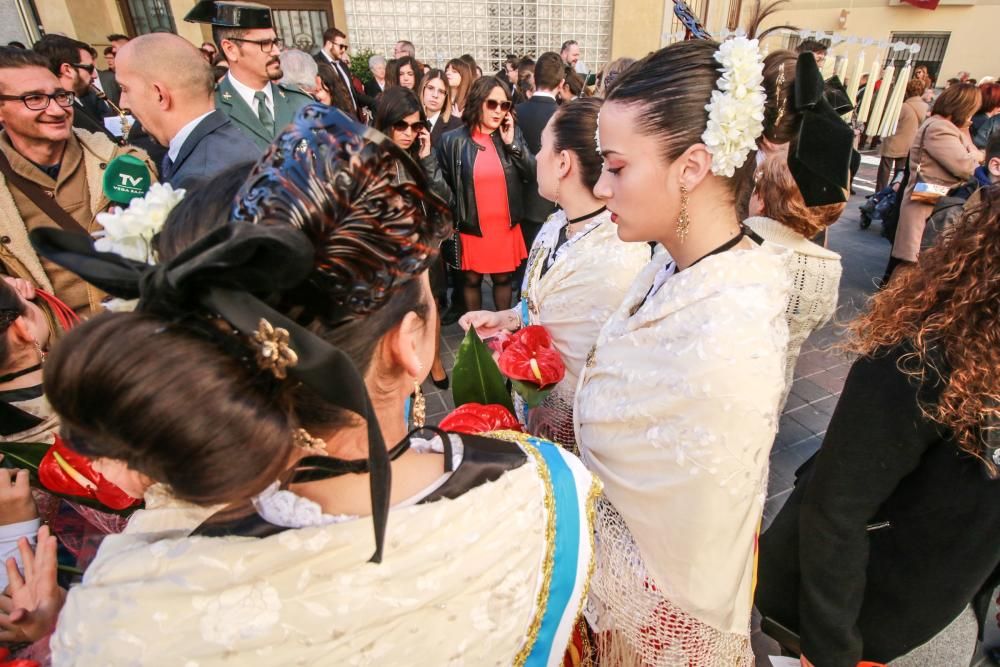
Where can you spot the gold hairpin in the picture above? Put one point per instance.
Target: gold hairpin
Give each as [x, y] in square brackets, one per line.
[780, 84]
[273, 350]
[305, 440]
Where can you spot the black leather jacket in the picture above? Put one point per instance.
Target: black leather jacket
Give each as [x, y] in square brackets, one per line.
[456, 155]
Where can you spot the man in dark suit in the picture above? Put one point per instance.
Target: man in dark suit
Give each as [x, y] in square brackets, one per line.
[168, 85]
[248, 94]
[107, 77]
[532, 117]
[335, 47]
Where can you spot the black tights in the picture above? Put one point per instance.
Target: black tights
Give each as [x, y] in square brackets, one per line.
[502, 284]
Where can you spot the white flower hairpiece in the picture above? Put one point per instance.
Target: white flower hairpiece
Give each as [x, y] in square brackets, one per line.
[129, 231]
[736, 112]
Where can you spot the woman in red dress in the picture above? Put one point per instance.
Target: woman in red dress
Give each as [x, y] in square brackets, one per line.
[486, 163]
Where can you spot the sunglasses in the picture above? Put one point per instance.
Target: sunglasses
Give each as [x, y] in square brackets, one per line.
[344, 45]
[89, 69]
[403, 126]
[493, 105]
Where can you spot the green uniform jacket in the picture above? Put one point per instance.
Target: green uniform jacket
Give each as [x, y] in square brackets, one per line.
[287, 102]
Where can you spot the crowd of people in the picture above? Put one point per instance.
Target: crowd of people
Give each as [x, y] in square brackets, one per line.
[247, 422]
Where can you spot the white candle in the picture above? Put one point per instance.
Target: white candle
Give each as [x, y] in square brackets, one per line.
[895, 103]
[866, 101]
[883, 95]
[855, 83]
[840, 69]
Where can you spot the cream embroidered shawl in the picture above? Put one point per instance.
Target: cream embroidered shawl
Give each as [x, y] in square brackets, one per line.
[462, 582]
[573, 300]
[677, 416]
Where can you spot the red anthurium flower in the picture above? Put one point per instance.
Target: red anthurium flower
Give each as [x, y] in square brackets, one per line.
[64, 471]
[475, 418]
[7, 661]
[529, 357]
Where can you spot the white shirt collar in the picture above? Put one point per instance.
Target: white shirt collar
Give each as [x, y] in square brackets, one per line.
[544, 93]
[175, 144]
[246, 93]
[434, 119]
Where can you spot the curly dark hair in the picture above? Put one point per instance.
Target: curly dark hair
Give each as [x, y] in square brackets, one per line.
[948, 307]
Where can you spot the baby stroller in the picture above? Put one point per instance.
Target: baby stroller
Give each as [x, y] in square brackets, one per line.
[876, 206]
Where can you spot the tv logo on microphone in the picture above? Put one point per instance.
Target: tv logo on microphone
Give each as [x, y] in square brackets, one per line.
[130, 181]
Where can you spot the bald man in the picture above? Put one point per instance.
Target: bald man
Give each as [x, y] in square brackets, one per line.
[169, 86]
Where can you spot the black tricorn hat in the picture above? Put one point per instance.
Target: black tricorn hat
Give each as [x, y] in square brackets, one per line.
[248, 15]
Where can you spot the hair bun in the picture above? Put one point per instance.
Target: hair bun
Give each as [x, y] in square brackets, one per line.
[335, 179]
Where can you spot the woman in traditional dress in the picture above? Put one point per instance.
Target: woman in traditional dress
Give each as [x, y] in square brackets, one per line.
[471, 571]
[780, 216]
[578, 269]
[486, 164]
[677, 405]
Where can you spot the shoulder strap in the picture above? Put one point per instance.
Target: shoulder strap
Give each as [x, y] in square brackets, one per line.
[38, 196]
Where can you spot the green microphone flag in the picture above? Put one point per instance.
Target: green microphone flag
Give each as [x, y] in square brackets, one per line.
[126, 178]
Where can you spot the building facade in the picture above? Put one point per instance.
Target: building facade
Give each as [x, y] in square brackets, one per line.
[956, 36]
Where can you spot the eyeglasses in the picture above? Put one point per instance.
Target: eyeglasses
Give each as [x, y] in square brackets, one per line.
[342, 45]
[89, 69]
[403, 126]
[265, 44]
[41, 101]
[492, 105]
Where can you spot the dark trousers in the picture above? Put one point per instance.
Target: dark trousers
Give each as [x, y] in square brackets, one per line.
[887, 168]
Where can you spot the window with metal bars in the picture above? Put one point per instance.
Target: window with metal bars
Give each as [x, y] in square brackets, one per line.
[145, 16]
[933, 46]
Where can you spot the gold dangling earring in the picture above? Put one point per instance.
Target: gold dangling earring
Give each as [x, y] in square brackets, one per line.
[41, 352]
[418, 411]
[683, 221]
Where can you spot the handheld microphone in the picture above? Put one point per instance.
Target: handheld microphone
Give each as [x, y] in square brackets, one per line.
[126, 178]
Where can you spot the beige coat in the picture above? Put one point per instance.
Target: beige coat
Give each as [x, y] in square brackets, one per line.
[17, 256]
[913, 113]
[948, 158]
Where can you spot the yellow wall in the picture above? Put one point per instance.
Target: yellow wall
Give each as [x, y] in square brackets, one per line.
[636, 27]
[973, 29]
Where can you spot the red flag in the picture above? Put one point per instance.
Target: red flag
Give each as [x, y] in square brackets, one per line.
[924, 4]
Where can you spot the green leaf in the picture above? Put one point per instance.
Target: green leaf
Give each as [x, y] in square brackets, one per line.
[23, 454]
[532, 395]
[476, 378]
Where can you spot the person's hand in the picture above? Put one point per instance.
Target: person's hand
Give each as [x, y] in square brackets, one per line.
[424, 137]
[31, 606]
[805, 662]
[16, 503]
[507, 130]
[488, 323]
[24, 289]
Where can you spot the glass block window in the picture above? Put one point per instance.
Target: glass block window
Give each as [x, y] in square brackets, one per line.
[488, 29]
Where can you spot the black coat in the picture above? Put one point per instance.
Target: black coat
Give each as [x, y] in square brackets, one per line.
[110, 85]
[440, 127]
[357, 99]
[215, 144]
[456, 155]
[372, 90]
[137, 136]
[891, 529]
[533, 116]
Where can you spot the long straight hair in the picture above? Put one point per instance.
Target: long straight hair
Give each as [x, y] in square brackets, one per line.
[460, 95]
[430, 76]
